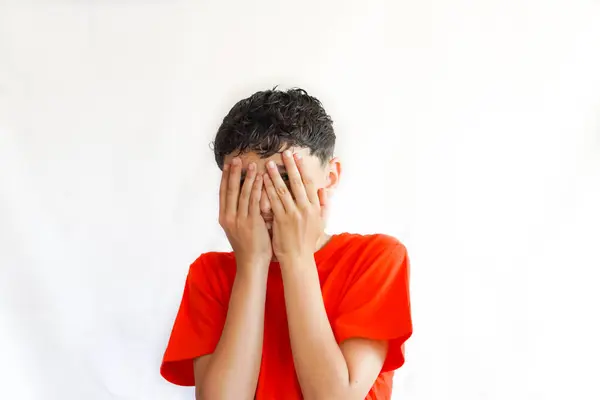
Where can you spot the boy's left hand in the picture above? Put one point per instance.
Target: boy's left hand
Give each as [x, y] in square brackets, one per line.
[299, 220]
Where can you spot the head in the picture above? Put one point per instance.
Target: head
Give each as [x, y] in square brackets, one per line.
[259, 128]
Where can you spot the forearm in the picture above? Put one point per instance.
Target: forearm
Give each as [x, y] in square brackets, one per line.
[320, 365]
[232, 372]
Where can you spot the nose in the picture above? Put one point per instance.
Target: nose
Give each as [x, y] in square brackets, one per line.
[265, 206]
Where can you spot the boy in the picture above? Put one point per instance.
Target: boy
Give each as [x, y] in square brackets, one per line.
[292, 312]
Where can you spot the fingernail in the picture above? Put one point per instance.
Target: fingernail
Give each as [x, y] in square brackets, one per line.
[226, 167]
[236, 161]
[287, 153]
[251, 167]
[298, 156]
[271, 164]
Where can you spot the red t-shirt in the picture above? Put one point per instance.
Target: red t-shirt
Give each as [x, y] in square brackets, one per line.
[365, 286]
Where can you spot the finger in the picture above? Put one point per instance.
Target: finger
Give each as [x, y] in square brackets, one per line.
[233, 187]
[296, 183]
[276, 204]
[309, 185]
[254, 208]
[281, 188]
[246, 190]
[223, 189]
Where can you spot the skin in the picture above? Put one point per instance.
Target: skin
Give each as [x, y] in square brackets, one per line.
[231, 371]
[297, 208]
[324, 177]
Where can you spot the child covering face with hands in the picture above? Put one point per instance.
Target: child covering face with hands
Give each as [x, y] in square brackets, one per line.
[291, 312]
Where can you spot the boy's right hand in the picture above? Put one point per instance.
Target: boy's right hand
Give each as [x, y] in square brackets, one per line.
[239, 215]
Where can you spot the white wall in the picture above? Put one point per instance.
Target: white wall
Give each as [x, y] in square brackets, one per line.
[469, 130]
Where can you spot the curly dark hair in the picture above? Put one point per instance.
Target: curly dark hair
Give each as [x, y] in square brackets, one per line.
[272, 120]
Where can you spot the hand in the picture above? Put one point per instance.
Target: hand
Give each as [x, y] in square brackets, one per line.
[299, 220]
[239, 215]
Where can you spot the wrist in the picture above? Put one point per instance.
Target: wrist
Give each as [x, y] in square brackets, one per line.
[297, 262]
[251, 263]
[251, 260]
[248, 277]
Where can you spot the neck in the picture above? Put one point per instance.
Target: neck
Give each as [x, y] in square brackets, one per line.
[323, 240]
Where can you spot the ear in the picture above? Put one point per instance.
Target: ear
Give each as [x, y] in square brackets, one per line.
[333, 169]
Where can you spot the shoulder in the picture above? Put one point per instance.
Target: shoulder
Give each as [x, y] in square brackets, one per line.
[370, 255]
[371, 247]
[379, 240]
[212, 267]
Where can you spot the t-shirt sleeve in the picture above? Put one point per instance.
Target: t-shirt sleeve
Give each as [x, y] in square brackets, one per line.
[377, 305]
[197, 327]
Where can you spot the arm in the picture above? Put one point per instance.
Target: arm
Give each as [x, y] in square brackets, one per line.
[231, 372]
[325, 370]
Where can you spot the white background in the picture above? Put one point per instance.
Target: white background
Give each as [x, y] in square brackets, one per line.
[468, 129]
